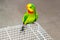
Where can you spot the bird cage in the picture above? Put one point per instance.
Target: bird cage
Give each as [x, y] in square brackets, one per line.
[31, 32]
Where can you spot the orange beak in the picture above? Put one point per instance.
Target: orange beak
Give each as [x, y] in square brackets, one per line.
[30, 10]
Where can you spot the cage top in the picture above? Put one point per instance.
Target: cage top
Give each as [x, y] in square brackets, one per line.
[32, 32]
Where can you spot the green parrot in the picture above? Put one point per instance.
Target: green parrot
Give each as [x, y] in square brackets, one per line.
[30, 16]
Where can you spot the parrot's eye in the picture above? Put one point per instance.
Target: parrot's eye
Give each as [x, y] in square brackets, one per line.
[30, 7]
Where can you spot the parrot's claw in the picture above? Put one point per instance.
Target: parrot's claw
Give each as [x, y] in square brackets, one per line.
[22, 28]
[33, 23]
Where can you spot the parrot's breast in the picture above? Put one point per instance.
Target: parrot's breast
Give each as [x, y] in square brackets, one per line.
[31, 19]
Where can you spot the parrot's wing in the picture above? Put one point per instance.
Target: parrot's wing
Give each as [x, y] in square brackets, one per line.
[36, 16]
[25, 17]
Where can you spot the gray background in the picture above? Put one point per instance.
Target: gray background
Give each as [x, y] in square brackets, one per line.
[11, 12]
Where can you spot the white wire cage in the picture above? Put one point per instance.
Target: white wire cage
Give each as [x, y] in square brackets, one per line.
[31, 32]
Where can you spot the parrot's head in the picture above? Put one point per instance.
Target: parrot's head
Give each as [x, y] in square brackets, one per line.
[31, 8]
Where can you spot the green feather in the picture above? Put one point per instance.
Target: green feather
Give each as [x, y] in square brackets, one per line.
[30, 18]
[25, 17]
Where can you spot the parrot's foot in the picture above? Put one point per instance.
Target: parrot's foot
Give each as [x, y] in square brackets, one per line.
[33, 23]
[22, 29]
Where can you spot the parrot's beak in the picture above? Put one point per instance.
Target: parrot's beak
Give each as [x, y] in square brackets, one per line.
[30, 10]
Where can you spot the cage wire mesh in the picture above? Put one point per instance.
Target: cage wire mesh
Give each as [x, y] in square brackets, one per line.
[31, 32]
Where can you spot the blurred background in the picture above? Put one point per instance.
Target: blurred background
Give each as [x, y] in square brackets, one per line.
[11, 12]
